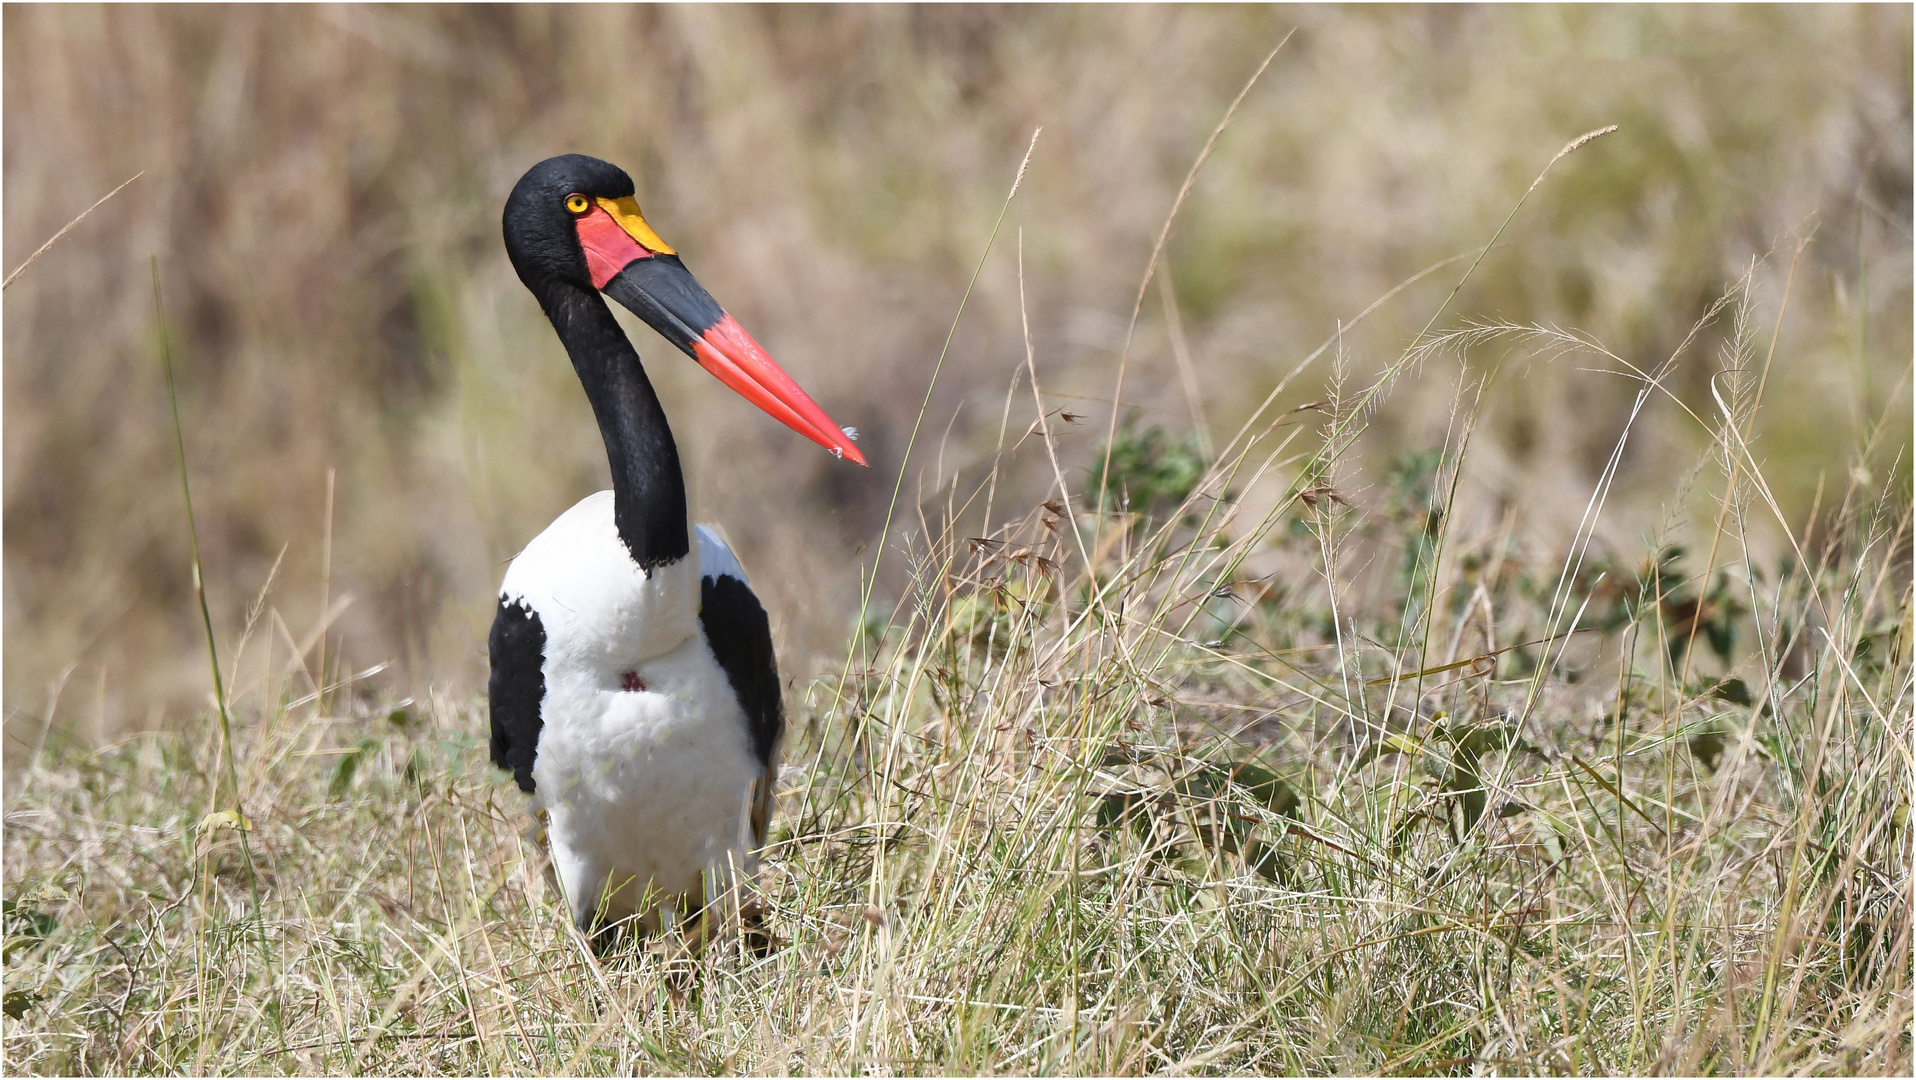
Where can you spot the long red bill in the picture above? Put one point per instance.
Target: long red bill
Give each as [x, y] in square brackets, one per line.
[658, 288]
[728, 352]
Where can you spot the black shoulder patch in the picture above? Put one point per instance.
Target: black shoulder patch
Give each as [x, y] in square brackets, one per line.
[518, 687]
[741, 638]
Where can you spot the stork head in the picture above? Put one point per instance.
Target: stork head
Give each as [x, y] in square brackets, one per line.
[573, 219]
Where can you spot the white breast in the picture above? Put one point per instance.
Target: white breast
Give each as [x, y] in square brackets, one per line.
[602, 613]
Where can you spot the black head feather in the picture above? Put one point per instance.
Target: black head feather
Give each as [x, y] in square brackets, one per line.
[540, 238]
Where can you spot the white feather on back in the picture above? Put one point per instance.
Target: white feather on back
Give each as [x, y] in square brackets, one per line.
[715, 556]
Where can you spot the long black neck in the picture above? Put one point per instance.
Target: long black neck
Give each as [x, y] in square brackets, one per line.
[648, 488]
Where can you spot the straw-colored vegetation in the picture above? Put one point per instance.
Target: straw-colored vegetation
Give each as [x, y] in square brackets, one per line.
[1485, 647]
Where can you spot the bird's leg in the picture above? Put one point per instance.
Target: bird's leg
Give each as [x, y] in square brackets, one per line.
[742, 901]
[680, 941]
[732, 902]
[755, 928]
[701, 922]
[540, 869]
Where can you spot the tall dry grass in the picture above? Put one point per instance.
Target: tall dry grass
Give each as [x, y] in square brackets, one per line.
[321, 186]
[1271, 750]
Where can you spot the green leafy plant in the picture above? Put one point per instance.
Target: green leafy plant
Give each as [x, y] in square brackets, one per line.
[1151, 471]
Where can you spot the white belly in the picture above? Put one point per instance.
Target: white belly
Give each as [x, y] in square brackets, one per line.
[647, 791]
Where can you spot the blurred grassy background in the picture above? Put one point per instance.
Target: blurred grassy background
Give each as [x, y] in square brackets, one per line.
[322, 188]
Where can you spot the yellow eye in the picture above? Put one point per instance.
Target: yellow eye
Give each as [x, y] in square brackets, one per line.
[578, 204]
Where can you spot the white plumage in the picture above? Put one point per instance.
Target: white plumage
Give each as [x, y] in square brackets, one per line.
[643, 788]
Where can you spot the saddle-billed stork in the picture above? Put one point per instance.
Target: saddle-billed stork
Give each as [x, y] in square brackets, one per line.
[634, 692]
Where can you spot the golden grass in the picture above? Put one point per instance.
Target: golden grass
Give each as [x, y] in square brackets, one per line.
[1484, 689]
[1253, 773]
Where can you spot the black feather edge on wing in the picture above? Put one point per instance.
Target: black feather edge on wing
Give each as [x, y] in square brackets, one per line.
[741, 640]
[517, 688]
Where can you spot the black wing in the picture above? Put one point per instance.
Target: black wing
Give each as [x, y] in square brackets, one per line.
[741, 639]
[518, 687]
